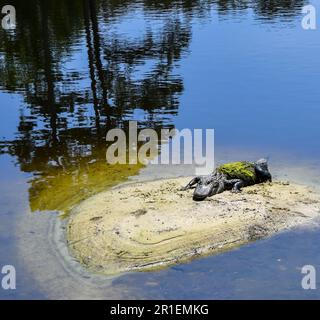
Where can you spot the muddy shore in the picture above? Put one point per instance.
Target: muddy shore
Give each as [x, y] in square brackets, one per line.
[150, 225]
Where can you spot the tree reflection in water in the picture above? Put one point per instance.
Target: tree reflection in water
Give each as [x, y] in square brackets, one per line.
[81, 75]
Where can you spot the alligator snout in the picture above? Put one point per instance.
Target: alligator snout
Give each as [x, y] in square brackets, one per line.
[197, 197]
[204, 190]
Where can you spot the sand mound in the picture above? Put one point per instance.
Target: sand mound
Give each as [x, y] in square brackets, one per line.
[152, 224]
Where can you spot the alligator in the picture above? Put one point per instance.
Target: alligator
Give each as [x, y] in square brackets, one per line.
[231, 176]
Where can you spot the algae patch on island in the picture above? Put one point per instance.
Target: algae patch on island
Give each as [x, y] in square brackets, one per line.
[240, 170]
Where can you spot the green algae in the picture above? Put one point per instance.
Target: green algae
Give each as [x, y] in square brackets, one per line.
[60, 189]
[239, 170]
[65, 181]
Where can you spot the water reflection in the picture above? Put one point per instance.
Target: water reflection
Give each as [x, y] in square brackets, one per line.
[269, 9]
[83, 67]
[67, 112]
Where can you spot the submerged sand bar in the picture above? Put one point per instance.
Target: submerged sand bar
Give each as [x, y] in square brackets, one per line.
[150, 225]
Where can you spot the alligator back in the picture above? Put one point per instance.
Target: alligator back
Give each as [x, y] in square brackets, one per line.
[239, 170]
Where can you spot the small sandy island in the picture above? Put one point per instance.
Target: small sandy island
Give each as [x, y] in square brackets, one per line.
[150, 225]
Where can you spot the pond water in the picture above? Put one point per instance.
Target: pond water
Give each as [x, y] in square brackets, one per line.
[74, 69]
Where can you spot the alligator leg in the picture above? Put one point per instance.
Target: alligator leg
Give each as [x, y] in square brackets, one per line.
[219, 189]
[235, 185]
[192, 183]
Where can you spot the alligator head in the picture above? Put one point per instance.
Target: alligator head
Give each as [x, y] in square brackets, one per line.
[207, 187]
[262, 170]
